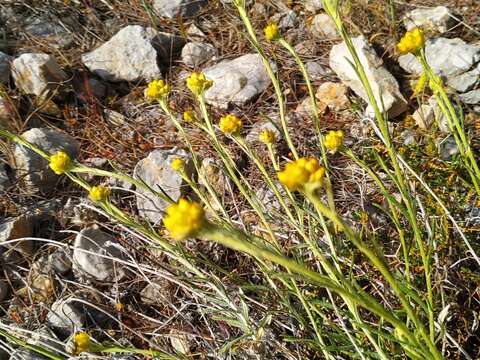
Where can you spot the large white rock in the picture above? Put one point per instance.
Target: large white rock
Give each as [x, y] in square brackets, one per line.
[196, 53]
[447, 57]
[175, 8]
[384, 85]
[424, 116]
[437, 19]
[132, 54]
[466, 81]
[18, 228]
[156, 171]
[313, 5]
[5, 61]
[323, 26]
[236, 81]
[471, 97]
[66, 316]
[37, 74]
[93, 252]
[31, 167]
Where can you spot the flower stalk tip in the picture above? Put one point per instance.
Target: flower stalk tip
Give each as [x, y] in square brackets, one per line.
[81, 342]
[272, 32]
[189, 116]
[230, 124]
[184, 219]
[60, 162]
[157, 90]
[412, 42]
[301, 172]
[99, 193]
[333, 140]
[198, 83]
[178, 164]
[267, 136]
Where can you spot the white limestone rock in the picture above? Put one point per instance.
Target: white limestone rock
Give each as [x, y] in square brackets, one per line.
[438, 19]
[93, 252]
[133, 54]
[156, 171]
[236, 81]
[37, 74]
[324, 27]
[18, 228]
[175, 8]
[31, 167]
[196, 53]
[385, 87]
[447, 57]
[66, 316]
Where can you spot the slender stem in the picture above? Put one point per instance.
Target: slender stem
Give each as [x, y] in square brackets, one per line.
[239, 241]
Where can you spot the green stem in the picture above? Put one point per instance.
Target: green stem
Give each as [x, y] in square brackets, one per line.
[239, 242]
[268, 67]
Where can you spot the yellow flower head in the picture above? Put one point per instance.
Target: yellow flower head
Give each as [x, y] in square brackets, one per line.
[412, 42]
[60, 162]
[333, 140]
[272, 32]
[81, 342]
[157, 89]
[198, 83]
[300, 172]
[230, 124]
[99, 193]
[178, 164]
[184, 219]
[267, 136]
[189, 116]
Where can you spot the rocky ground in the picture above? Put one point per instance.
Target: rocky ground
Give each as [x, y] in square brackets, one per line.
[72, 77]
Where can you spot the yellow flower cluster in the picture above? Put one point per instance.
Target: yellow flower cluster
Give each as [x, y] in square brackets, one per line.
[198, 83]
[184, 219]
[178, 164]
[267, 136]
[189, 116]
[412, 42]
[300, 172]
[230, 124]
[81, 342]
[333, 140]
[157, 89]
[99, 193]
[60, 162]
[272, 32]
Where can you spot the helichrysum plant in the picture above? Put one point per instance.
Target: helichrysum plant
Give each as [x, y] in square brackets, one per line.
[331, 308]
